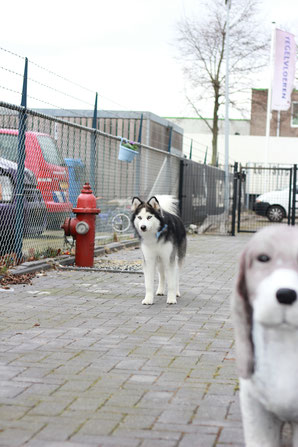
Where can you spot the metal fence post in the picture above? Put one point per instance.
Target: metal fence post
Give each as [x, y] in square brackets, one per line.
[170, 139]
[140, 129]
[169, 160]
[138, 159]
[19, 225]
[93, 148]
[240, 177]
[290, 198]
[294, 194]
[205, 158]
[190, 150]
[234, 206]
[181, 194]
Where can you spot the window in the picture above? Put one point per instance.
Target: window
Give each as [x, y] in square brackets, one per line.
[50, 151]
[294, 120]
[9, 147]
[6, 189]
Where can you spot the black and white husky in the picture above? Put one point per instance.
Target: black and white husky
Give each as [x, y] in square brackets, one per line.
[163, 244]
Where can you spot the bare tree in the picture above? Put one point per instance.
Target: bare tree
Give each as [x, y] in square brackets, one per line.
[201, 43]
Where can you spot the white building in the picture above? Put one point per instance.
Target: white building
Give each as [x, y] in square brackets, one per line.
[243, 147]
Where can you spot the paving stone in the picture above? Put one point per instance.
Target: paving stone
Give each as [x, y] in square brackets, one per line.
[158, 443]
[197, 440]
[229, 434]
[14, 437]
[104, 441]
[83, 363]
[175, 415]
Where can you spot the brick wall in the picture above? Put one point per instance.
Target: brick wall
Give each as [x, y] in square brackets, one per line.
[258, 116]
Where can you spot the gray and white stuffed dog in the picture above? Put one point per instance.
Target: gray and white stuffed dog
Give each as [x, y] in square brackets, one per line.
[265, 315]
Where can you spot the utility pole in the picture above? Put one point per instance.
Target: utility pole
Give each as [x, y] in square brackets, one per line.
[227, 122]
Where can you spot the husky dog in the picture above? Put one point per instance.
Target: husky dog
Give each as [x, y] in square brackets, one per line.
[163, 244]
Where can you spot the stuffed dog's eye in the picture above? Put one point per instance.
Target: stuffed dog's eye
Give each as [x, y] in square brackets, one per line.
[263, 258]
[149, 217]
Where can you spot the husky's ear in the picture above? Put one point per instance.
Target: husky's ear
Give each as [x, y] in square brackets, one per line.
[242, 319]
[135, 203]
[154, 203]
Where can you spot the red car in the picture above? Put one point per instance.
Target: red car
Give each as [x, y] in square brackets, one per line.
[44, 160]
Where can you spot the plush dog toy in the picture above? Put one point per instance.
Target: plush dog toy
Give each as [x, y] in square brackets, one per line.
[265, 315]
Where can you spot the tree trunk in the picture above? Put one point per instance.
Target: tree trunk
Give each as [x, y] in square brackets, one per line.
[215, 126]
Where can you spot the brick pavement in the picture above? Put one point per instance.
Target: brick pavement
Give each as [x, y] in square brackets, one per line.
[83, 363]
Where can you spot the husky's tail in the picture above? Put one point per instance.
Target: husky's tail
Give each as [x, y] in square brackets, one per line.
[168, 204]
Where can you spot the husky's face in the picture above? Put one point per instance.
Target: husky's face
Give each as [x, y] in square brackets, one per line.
[146, 216]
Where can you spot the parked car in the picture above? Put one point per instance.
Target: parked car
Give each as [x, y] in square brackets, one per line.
[44, 160]
[274, 204]
[34, 207]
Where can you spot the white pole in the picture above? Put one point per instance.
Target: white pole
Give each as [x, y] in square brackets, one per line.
[227, 123]
[269, 97]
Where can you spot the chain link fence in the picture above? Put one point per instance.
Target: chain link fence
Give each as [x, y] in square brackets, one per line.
[60, 157]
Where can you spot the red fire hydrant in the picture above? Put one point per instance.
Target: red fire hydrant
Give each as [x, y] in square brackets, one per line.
[82, 227]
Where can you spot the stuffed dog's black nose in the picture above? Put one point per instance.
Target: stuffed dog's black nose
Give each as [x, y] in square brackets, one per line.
[143, 228]
[286, 296]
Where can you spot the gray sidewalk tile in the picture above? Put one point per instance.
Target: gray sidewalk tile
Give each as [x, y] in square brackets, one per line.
[83, 363]
[198, 440]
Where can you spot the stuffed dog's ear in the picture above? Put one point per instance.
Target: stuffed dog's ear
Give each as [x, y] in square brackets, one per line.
[154, 203]
[135, 203]
[242, 319]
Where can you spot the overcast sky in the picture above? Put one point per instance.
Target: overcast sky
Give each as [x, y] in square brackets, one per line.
[123, 49]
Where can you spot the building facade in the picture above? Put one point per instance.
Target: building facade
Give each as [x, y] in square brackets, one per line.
[156, 131]
[282, 124]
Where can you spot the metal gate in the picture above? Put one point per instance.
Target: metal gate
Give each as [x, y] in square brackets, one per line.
[202, 196]
[263, 196]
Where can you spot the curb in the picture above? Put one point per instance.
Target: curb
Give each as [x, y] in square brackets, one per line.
[48, 263]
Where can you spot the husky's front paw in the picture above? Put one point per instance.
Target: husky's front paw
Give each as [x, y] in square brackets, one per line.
[171, 299]
[148, 300]
[160, 292]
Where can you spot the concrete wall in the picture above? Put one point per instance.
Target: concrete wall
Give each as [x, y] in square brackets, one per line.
[243, 147]
[247, 149]
[199, 126]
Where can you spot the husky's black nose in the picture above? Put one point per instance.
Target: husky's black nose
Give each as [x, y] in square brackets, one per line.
[143, 227]
[286, 296]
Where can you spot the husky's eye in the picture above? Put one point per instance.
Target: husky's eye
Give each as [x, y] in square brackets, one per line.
[139, 217]
[263, 258]
[149, 217]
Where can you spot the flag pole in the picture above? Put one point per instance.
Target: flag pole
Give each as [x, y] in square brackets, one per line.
[227, 122]
[269, 97]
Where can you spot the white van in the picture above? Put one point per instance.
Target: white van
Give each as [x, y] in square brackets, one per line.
[274, 204]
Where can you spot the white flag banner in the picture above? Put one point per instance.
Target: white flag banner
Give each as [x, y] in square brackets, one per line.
[284, 70]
